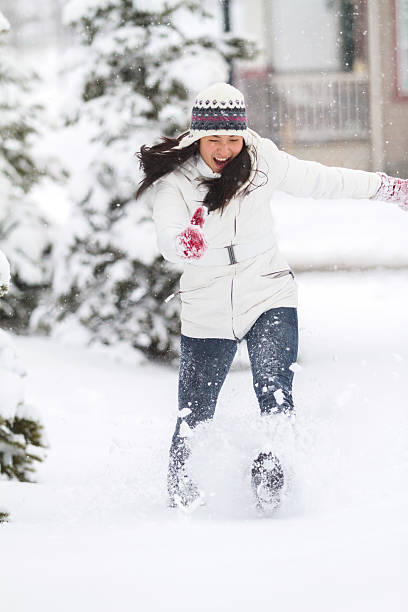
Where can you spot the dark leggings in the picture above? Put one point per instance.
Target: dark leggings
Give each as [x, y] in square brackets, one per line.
[272, 345]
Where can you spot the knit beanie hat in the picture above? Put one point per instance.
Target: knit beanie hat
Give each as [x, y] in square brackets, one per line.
[218, 110]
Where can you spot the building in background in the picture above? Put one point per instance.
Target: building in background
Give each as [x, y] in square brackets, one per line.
[331, 81]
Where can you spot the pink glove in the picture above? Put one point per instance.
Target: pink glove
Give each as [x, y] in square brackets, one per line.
[393, 190]
[191, 244]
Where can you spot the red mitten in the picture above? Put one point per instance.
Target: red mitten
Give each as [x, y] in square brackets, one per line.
[191, 244]
[199, 216]
[393, 190]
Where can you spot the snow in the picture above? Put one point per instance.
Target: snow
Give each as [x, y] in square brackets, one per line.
[184, 412]
[96, 528]
[4, 272]
[12, 388]
[295, 367]
[11, 393]
[340, 233]
[75, 10]
[279, 396]
[185, 430]
[4, 24]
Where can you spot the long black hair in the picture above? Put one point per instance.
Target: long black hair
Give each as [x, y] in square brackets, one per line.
[160, 159]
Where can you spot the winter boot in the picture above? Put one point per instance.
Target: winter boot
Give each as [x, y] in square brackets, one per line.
[267, 481]
[183, 492]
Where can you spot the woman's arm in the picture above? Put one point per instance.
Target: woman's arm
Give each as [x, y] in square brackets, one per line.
[178, 236]
[311, 179]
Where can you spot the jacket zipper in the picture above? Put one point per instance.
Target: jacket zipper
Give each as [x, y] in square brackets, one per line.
[232, 284]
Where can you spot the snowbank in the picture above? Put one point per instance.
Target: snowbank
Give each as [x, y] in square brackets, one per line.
[97, 528]
[321, 234]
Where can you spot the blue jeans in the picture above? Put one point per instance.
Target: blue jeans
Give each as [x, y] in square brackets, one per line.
[205, 362]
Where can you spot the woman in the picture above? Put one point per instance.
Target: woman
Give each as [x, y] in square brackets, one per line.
[212, 190]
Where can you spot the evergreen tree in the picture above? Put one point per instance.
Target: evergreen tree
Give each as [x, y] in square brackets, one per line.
[20, 430]
[21, 441]
[23, 230]
[132, 81]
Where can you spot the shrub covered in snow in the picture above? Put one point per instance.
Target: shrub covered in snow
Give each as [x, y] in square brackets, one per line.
[21, 442]
[131, 81]
[23, 230]
[4, 274]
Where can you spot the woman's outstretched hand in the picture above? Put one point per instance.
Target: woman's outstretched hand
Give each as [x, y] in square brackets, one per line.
[191, 244]
[393, 190]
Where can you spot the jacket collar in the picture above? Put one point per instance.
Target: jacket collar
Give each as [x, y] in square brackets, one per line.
[195, 167]
[204, 169]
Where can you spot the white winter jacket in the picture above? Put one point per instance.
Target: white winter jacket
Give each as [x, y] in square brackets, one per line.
[222, 299]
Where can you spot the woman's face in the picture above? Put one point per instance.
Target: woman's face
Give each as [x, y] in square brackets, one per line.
[217, 151]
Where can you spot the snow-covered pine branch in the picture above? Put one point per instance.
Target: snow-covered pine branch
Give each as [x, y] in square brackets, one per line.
[21, 437]
[4, 274]
[24, 231]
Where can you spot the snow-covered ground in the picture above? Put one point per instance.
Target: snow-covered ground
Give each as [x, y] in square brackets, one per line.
[95, 535]
[319, 234]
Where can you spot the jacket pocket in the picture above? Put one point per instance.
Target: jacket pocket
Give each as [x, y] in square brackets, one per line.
[195, 281]
[278, 274]
[181, 292]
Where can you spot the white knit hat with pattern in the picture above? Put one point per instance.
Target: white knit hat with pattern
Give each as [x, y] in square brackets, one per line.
[217, 111]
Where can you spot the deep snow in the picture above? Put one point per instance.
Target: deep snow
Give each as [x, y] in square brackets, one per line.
[95, 534]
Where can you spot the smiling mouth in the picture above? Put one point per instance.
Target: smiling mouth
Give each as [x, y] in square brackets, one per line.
[220, 162]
